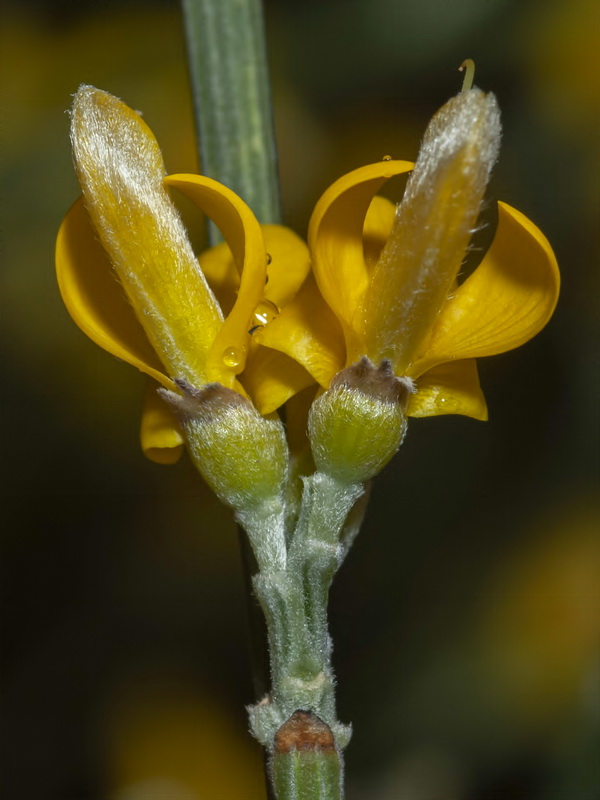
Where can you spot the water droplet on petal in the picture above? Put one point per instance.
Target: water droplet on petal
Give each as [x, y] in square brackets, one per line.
[232, 357]
[269, 259]
[265, 312]
[386, 158]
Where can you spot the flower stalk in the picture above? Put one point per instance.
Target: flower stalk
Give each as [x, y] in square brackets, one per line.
[297, 721]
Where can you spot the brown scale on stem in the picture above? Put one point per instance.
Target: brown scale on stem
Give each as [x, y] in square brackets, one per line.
[304, 731]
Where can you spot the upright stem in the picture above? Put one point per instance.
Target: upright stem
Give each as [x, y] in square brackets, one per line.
[232, 101]
[297, 722]
[306, 765]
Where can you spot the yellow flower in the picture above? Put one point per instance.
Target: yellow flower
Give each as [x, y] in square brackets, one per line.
[386, 283]
[162, 313]
[253, 318]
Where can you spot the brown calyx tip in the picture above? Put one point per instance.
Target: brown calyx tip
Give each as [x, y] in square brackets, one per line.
[378, 382]
[210, 399]
[304, 731]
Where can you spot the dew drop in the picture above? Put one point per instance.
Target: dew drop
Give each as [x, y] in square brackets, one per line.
[232, 357]
[386, 158]
[265, 312]
[269, 259]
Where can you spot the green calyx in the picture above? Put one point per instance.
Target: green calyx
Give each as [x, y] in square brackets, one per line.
[242, 456]
[358, 424]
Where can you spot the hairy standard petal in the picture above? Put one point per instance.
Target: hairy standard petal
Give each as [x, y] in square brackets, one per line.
[121, 172]
[95, 298]
[451, 388]
[335, 237]
[160, 433]
[504, 303]
[432, 230]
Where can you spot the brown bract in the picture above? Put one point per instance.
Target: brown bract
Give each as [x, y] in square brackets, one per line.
[304, 731]
[377, 382]
[208, 401]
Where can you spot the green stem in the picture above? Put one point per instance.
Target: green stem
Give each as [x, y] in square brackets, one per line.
[308, 775]
[293, 593]
[232, 101]
[315, 554]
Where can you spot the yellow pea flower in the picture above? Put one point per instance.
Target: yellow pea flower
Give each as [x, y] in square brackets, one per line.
[387, 277]
[383, 281]
[130, 280]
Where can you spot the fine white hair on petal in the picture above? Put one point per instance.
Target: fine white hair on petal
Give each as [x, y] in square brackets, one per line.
[469, 122]
[121, 170]
[432, 228]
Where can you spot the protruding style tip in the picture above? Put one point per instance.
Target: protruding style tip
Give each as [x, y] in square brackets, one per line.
[468, 66]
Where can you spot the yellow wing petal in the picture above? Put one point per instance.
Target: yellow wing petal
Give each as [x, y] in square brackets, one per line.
[242, 232]
[308, 332]
[160, 434]
[96, 300]
[335, 236]
[271, 378]
[451, 388]
[504, 303]
[378, 224]
[288, 264]
[222, 275]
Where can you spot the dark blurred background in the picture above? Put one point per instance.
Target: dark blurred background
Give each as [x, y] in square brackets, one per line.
[466, 618]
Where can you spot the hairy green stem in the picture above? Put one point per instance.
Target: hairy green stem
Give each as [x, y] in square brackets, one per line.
[297, 721]
[308, 775]
[232, 101]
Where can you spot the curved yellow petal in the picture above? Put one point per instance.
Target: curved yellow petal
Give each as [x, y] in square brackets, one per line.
[271, 378]
[451, 388]
[378, 225]
[242, 232]
[288, 264]
[308, 332]
[160, 434]
[96, 300]
[335, 236]
[221, 274]
[504, 303]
